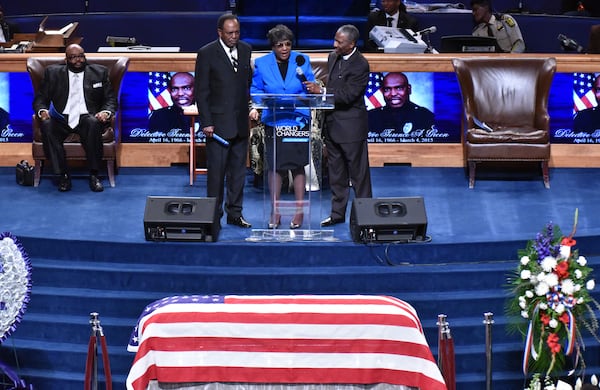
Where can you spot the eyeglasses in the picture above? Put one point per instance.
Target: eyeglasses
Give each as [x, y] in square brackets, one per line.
[75, 56]
[282, 44]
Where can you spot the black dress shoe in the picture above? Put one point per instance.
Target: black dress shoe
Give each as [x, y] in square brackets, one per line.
[96, 184]
[238, 221]
[64, 183]
[329, 221]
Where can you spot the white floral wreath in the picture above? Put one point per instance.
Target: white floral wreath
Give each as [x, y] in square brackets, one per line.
[15, 283]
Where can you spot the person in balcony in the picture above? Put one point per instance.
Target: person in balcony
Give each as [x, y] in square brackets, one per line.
[503, 27]
[393, 14]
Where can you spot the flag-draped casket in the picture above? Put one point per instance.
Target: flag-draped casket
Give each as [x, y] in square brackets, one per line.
[282, 339]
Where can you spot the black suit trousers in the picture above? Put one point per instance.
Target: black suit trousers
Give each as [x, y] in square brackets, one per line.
[347, 163]
[54, 133]
[226, 167]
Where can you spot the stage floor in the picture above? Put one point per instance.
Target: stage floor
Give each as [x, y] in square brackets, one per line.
[498, 208]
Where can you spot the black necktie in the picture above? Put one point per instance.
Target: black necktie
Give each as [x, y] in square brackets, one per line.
[389, 22]
[234, 60]
[489, 30]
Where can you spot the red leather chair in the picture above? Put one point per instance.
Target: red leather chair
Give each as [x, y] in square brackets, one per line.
[74, 151]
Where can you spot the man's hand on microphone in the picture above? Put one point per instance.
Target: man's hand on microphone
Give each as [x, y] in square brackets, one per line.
[312, 87]
[208, 131]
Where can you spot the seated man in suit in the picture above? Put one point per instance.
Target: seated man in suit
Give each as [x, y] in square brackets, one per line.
[393, 14]
[75, 97]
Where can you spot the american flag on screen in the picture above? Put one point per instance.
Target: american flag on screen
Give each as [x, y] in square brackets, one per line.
[373, 95]
[354, 339]
[158, 94]
[583, 96]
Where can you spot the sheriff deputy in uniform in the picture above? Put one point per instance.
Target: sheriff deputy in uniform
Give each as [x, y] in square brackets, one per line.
[503, 27]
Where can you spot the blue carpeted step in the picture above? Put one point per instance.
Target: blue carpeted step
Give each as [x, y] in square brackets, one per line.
[50, 365]
[290, 280]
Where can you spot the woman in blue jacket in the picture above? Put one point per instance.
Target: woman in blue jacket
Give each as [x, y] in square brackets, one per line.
[287, 131]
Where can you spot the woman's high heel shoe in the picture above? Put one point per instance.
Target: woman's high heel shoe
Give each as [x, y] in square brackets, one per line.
[275, 221]
[297, 221]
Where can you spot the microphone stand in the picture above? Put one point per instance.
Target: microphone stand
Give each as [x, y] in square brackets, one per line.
[425, 38]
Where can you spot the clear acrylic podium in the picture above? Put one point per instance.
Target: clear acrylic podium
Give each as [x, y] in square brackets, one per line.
[290, 138]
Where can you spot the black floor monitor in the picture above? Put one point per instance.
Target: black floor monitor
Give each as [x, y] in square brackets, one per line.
[181, 219]
[468, 44]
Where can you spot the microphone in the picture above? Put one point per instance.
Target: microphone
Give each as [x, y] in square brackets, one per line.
[569, 44]
[220, 139]
[299, 62]
[428, 30]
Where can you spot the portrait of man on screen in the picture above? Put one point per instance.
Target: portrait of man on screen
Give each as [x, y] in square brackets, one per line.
[394, 117]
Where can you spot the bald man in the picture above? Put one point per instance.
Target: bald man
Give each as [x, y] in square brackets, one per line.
[83, 102]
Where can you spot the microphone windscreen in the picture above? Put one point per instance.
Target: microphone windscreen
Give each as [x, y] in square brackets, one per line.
[300, 60]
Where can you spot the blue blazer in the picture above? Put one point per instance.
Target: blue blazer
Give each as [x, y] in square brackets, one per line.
[267, 79]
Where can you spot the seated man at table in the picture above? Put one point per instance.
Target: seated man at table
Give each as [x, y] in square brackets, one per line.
[393, 14]
[503, 27]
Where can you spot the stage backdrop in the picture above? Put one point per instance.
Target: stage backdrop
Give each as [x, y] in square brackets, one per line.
[434, 97]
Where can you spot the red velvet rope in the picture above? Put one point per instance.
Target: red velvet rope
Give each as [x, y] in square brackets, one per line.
[89, 362]
[448, 363]
[106, 362]
[91, 357]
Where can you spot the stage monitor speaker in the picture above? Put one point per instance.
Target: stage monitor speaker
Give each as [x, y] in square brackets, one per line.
[388, 220]
[181, 219]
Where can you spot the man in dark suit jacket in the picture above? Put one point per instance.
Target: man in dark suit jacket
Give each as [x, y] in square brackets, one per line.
[346, 126]
[223, 76]
[75, 97]
[393, 14]
[8, 29]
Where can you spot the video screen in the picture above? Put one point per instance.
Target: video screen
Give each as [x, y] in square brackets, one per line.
[408, 107]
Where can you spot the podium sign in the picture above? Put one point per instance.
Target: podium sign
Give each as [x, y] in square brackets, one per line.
[292, 145]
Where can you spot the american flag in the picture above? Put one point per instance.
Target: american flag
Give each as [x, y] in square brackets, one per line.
[158, 94]
[373, 95]
[583, 95]
[354, 339]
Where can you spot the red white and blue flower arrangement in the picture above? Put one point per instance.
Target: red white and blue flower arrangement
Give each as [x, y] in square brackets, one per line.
[551, 292]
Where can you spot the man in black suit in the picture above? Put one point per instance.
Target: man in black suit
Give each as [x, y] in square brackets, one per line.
[346, 126]
[393, 14]
[223, 77]
[7, 30]
[75, 97]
